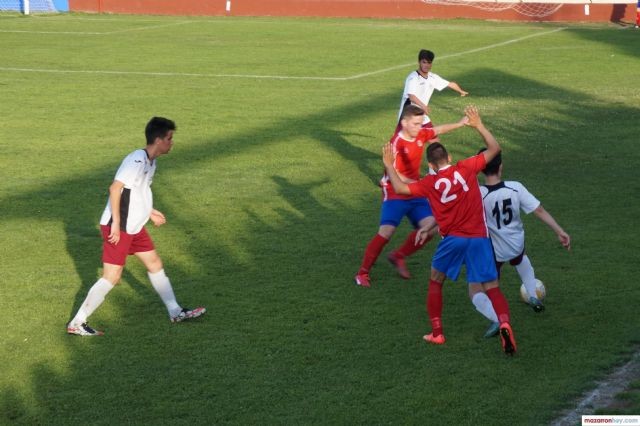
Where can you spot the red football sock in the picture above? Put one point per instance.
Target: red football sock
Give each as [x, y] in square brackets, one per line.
[409, 247]
[434, 307]
[373, 250]
[499, 303]
[638, 17]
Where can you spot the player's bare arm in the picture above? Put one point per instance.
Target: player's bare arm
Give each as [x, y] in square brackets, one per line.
[546, 217]
[115, 194]
[493, 148]
[445, 128]
[453, 85]
[416, 101]
[388, 158]
[157, 217]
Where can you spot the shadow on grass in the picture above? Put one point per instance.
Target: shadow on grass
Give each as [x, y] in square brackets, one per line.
[288, 338]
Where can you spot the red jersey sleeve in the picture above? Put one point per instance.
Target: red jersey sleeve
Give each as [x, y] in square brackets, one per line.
[474, 164]
[426, 134]
[421, 187]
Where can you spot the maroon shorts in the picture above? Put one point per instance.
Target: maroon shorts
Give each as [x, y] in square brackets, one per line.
[116, 254]
[513, 262]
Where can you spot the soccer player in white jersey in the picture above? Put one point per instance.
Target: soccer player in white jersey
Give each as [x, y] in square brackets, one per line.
[129, 208]
[420, 84]
[503, 201]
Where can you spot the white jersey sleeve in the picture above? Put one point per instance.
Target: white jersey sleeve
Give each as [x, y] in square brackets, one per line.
[502, 204]
[438, 82]
[528, 202]
[132, 169]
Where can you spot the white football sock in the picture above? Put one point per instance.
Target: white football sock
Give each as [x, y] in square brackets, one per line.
[528, 277]
[94, 298]
[483, 305]
[162, 285]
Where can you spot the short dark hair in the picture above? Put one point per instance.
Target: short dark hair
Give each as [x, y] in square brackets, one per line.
[436, 153]
[158, 127]
[426, 54]
[492, 166]
[411, 110]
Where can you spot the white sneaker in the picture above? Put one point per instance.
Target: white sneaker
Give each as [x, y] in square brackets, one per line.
[187, 314]
[83, 330]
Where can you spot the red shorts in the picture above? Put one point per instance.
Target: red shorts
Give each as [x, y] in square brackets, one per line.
[116, 254]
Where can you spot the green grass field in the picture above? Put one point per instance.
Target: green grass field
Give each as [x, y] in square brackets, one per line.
[270, 195]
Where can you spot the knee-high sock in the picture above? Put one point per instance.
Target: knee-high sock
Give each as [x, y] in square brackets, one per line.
[371, 253]
[483, 305]
[409, 246]
[434, 307]
[94, 298]
[499, 303]
[162, 285]
[527, 275]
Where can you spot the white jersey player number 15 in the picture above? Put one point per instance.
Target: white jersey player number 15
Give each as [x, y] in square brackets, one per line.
[506, 212]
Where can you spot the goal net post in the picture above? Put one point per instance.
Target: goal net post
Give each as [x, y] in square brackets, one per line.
[33, 6]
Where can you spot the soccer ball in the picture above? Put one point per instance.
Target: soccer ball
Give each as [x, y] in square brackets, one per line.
[541, 291]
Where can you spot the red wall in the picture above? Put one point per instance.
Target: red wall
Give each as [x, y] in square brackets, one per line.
[414, 9]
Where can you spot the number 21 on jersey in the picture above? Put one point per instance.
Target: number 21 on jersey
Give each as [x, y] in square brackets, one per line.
[444, 194]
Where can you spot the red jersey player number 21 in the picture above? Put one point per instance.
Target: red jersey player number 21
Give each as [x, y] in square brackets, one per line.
[454, 194]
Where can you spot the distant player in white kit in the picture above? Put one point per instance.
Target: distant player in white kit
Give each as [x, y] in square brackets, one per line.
[503, 201]
[420, 84]
[129, 208]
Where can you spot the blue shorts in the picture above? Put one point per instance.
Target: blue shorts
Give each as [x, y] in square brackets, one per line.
[475, 253]
[415, 209]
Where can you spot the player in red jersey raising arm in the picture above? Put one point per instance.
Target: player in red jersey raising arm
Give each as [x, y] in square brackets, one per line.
[408, 148]
[454, 195]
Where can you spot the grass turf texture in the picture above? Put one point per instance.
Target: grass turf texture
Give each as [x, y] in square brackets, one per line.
[270, 198]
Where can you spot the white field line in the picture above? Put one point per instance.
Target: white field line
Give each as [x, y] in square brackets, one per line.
[274, 77]
[150, 27]
[604, 393]
[173, 74]
[453, 55]
[51, 32]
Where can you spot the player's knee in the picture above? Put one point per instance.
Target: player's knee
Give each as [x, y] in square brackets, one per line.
[112, 276]
[386, 231]
[437, 276]
[155, 265]
[474, 289]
